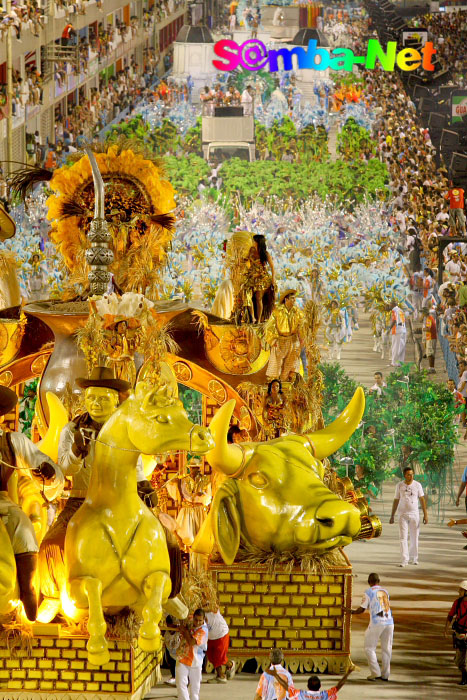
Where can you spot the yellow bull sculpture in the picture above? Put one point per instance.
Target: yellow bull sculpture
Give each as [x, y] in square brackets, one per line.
[115, 548]
[273, 496]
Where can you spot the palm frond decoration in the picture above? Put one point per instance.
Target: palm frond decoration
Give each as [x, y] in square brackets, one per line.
[72, 207]
[23, 181]
[301, 559]
[90, 339]
[200, 320]
[157, 342]
[166, 221]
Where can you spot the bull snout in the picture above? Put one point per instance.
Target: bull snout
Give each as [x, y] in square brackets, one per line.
[201, 440]
[331, 518]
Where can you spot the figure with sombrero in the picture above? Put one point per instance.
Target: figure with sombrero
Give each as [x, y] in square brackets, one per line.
[195, 490]
[102, 395]
[18, 452]
[284, 334]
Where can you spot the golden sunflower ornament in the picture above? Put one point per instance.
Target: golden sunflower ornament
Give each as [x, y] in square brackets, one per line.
[137, 204]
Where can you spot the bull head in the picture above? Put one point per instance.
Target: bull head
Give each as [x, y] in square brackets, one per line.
[273, 497]
[158, 422]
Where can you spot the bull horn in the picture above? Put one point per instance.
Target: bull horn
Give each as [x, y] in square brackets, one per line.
[328, 440]
[223, 457]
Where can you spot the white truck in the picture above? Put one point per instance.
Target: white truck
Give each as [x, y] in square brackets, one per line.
[228, 134]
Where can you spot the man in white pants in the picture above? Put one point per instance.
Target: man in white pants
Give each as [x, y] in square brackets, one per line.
[408, 493]
[190, 656]
[380, 628]
[398, 336]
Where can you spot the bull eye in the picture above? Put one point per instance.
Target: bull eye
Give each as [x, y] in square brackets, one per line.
[161, 418]
[258, 480]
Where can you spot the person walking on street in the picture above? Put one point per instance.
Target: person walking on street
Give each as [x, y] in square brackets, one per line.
[408, 493]
[218, 647]
[431, 336]
[457, 620]
[171, 644]
[398, 336]
[190, 656]
[380, 628]
[462, 489]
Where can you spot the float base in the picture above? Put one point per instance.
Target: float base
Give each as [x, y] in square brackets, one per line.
[57, 667]
[301, 613]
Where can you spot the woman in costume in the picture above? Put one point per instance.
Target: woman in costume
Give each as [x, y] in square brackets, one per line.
[274, 410]
[259, 280]
[36, 279]
[335, 330]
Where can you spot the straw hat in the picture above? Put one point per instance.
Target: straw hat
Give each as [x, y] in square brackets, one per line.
[285, 294]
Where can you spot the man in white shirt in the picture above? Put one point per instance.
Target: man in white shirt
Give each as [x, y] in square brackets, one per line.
[455, 268]
[379, 384]
[408, 493]
[218, 646]
[380, 628]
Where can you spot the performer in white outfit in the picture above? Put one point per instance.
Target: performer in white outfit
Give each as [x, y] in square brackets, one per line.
[408, 493]
[398, 336]
[380, 628]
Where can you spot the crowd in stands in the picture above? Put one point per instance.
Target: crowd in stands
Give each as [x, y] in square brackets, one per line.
[24, 15]
[450, 34]
[84, 121]
[426, 204]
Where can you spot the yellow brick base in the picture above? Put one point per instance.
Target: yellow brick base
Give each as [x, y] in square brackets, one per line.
[57, 667]
[300, 613]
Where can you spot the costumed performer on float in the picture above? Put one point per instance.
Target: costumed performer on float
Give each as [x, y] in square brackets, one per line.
[102, 395]
[283, 333]
[18, 452]
[274, 410]
[197, 496]
[259, 280]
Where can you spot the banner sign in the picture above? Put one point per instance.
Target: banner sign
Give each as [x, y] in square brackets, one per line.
[459, 106]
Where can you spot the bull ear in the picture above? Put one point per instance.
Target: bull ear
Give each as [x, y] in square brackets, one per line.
[225, 520]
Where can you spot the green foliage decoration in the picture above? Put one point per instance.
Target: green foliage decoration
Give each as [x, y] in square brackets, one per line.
[353, 140]
[185, 174]
[413, 422]
[282, 179]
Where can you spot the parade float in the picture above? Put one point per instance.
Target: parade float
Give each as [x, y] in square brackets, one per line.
[273, 535]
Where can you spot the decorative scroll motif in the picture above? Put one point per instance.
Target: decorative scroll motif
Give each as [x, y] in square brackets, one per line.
[38, 364]
[183, 372]
[217, 391]
[6, 378]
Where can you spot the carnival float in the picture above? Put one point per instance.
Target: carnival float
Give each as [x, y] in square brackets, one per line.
[153, 507]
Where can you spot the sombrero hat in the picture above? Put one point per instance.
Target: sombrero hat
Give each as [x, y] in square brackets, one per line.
[7, 225]
[286, 293]
[8, 400]
[103, 377]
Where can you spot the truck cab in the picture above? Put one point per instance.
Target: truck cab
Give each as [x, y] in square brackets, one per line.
[228, 134]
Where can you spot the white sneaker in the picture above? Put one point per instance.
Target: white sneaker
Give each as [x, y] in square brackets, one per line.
[402, 565]
[415, 563]
[171, 682]
[230, 672]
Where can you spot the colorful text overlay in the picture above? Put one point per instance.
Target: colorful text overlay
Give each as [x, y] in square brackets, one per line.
[253, 55]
